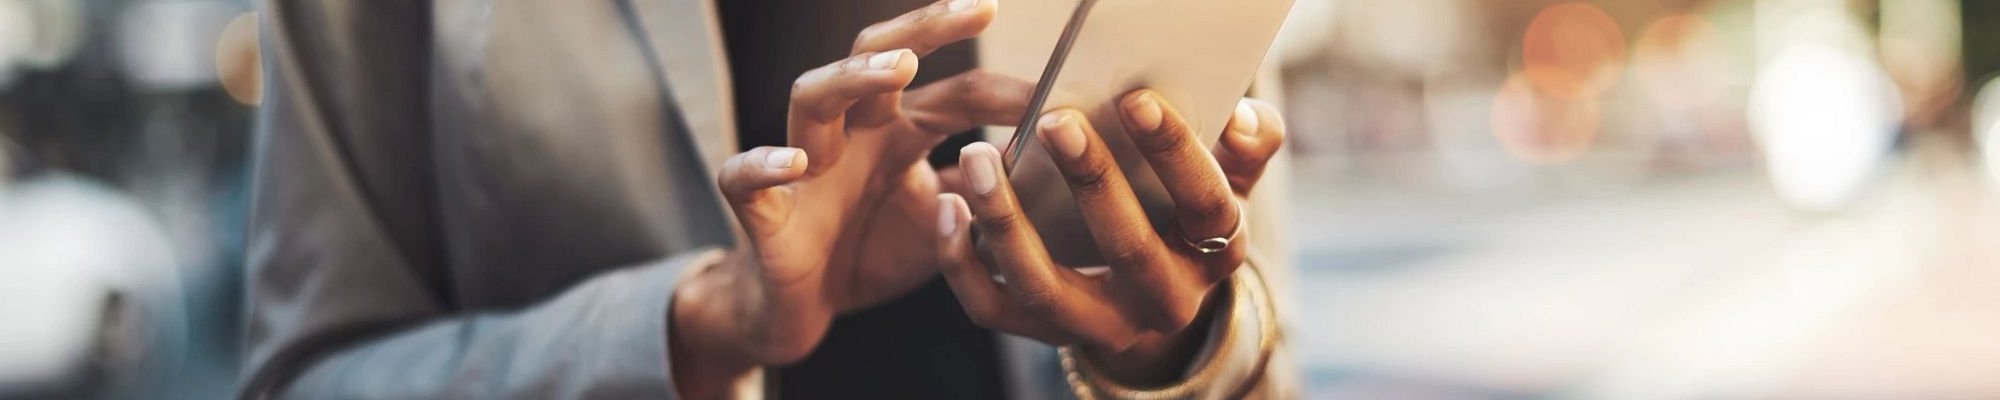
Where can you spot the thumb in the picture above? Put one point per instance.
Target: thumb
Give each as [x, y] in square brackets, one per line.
[754, 184]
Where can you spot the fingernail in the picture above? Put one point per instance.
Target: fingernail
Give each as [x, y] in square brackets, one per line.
[1145, 111]
[981, 172]
[1059, 127]
[960, 5]
[1246, 119]
[947, 214]
[781, 158]
[886, 59]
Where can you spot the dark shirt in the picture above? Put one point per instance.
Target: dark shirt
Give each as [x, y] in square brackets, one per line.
[920, 346]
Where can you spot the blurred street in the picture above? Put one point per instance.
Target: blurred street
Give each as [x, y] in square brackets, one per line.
[1568, 199]
[1699, 285]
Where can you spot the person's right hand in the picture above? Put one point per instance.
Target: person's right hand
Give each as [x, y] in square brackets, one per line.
[842, 220]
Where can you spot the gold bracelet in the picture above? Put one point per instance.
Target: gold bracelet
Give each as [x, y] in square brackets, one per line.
[1086, 381]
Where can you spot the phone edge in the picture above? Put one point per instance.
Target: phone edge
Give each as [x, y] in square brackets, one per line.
[1026, 131]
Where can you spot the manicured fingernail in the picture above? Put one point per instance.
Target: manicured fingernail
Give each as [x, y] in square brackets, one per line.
[1061, 130]
[1246, 119]
[947, 214]
[1145, 111]
[886, 59]
[960, 5]
[982, 167]
[781, 158]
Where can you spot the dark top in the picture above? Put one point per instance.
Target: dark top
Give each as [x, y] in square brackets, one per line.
[921, 346]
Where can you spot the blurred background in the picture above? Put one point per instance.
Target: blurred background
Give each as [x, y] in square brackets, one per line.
[1491, 199]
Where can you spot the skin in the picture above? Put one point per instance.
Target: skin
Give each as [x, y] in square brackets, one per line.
[826, 224]
[1135, 319]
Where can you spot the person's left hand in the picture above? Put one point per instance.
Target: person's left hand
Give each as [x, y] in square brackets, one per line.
[1136, 318]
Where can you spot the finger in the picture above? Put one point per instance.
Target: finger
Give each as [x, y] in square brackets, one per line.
[923, 31]
[1155, 280]
[1203, 205]
[752, 184]
[821, 98]
[1112, 213]
[950, 179]
[927, 29]
[970, 100]
[1039, 287]
[1256, 133]
[985, 302]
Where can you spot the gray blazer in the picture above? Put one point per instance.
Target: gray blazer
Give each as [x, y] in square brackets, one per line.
[505, 220]
[494, 199]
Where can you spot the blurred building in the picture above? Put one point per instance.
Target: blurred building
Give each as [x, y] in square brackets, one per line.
[124, 201]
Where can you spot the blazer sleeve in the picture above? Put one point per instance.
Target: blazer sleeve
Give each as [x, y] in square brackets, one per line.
[345, 296]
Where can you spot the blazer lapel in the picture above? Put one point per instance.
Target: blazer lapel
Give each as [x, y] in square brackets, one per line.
[687, 35]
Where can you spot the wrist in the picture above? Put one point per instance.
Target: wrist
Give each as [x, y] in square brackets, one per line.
[1159, 359]
[707, 355]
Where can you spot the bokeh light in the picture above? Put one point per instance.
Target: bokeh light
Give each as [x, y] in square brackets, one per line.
[1542, 129]
[1573, 51]
[1825, 118]
[15, 29]
[1673, 60]
[1986, 127]
[1405, 37]
[156, 36]
[1922, 55]
[1479, 199]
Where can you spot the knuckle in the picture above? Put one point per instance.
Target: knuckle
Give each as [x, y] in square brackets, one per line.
[923, 15]
[729, 176]
[1209, 208]
[1172, 136]
[1128, 255]
[729, 194]
[974, 79]
[971, 83]
[801, 84]
[1039, 302]
[870, 34]
[1001, 224]
[853, 63]
[1089, 178]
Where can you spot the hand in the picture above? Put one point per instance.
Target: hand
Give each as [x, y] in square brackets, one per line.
[1135, 317]
[826, 224]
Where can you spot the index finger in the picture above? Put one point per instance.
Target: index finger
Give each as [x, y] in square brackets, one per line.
[927, 29]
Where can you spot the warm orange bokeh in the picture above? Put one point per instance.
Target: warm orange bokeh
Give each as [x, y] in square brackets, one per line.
[1573, 51]
[1667, 61]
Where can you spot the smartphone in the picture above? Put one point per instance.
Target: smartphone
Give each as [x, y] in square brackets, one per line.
[1201, 55]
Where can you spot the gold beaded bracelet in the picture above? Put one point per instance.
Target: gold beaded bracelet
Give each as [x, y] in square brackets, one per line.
[1087, 382]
